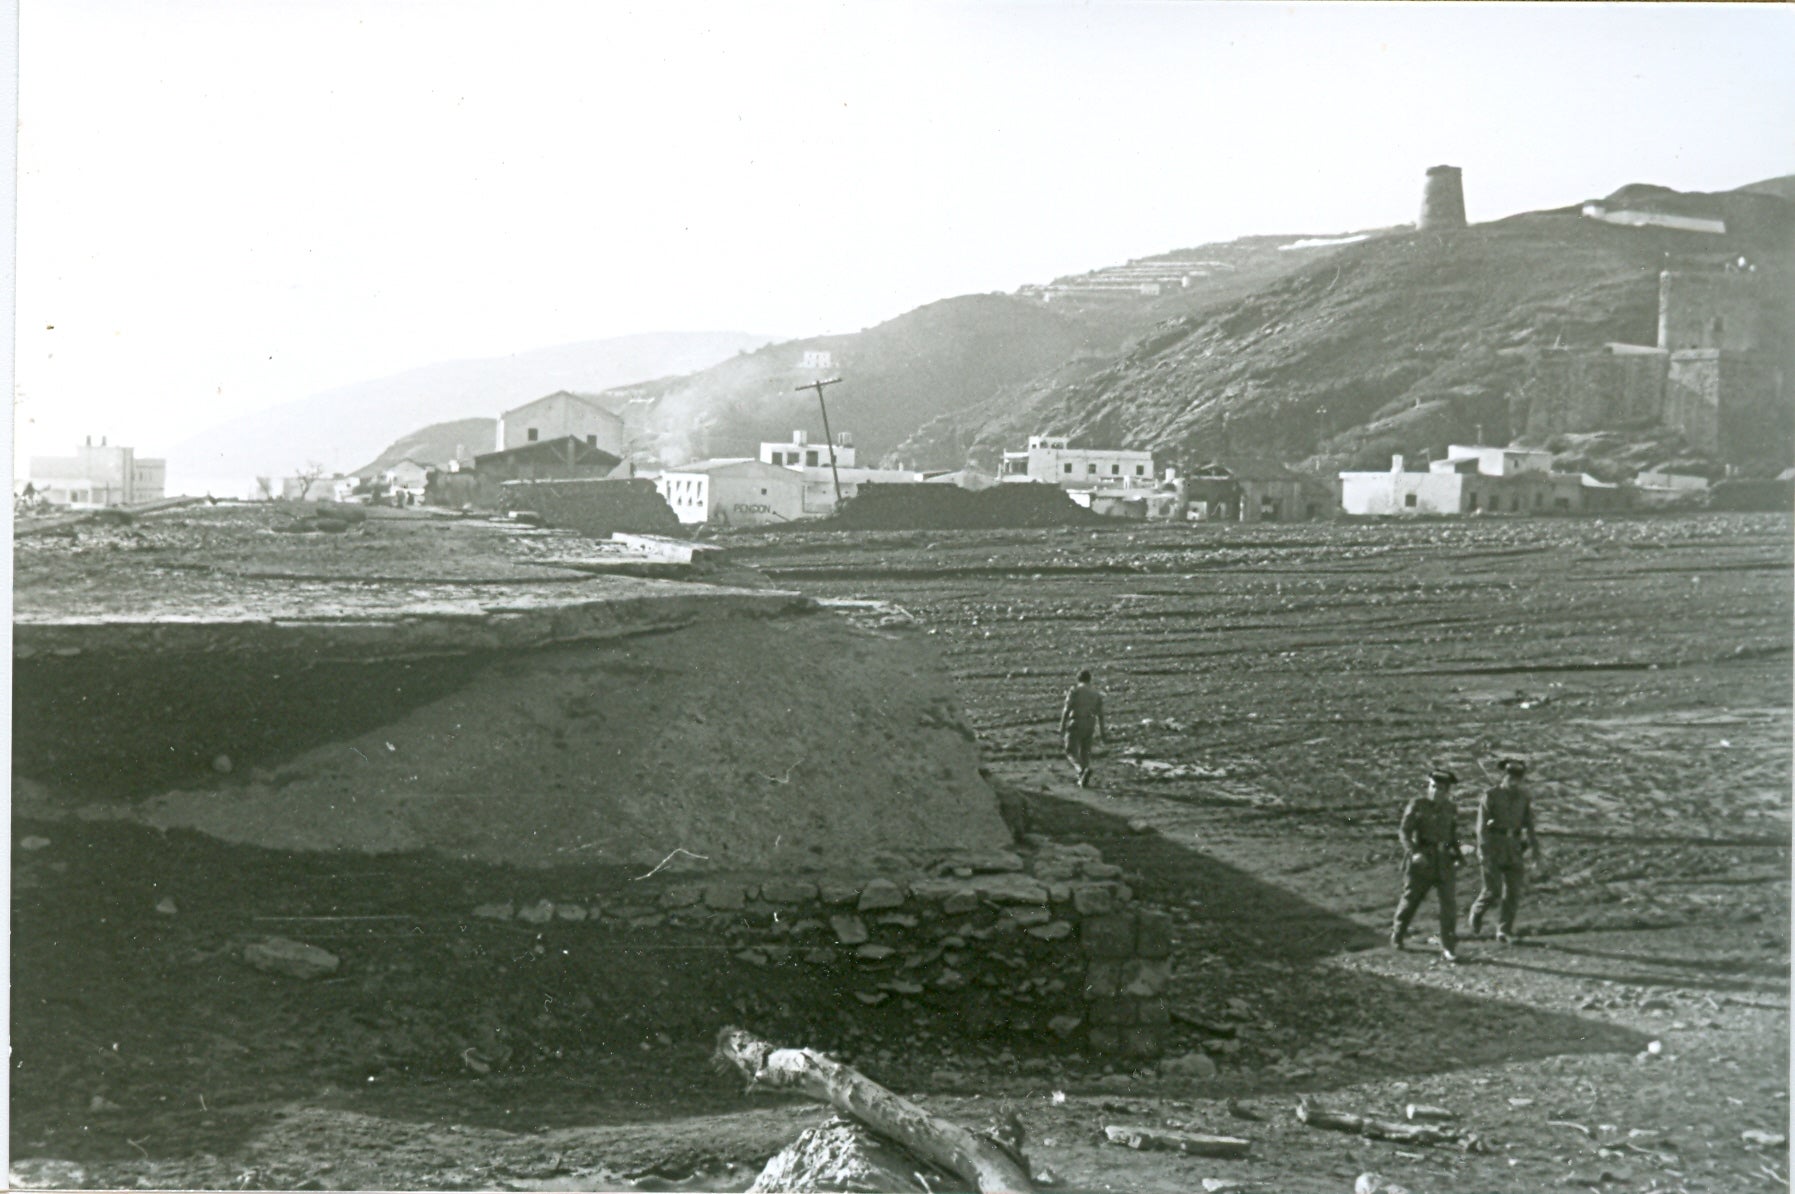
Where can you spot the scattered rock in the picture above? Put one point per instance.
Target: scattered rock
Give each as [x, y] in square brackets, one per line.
[539, 913]
[1426, 1111]
[1195, 1064]
[222, 764]
[280, 955]
[1376, 1183]
[1764, 1139]
[849, 930]
[880, 894]
[33, 842]
[495, 911]
[166, 906]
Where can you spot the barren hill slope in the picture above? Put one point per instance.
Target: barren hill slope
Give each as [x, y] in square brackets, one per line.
[1400, 342]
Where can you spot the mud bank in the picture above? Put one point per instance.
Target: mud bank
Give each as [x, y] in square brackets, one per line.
[756, 733]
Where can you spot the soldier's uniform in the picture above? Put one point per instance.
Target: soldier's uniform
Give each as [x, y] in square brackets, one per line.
[1429, 834]
[1504, 831]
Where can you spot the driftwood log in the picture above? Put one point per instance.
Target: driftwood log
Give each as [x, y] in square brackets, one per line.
[1170, 1140]
[1377, 1129]
[980, 1160]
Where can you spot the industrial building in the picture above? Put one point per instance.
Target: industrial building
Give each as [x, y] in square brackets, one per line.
[733, 491]
[560, 415]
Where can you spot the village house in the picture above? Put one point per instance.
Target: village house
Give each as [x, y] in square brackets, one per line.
[1476, 479]
[1247, 489]
[1051, 460]
[98, 475]
[407, 478]
[562, 414]
[734, 491]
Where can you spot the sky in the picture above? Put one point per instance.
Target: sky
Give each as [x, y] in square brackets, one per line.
[225, 205]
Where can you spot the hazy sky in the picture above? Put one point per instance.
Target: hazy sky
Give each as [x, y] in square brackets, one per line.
[227, 204]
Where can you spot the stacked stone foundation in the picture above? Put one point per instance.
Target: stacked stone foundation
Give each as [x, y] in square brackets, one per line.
[1042, 943]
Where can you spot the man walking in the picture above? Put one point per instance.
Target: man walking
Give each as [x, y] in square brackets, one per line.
[1081, 719]
[1504, 834]
[1429, 835]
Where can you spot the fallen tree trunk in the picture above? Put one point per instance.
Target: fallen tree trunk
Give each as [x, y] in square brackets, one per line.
[979, 1160]
[1194, 1144]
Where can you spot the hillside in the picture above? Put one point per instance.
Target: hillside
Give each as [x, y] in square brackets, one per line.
[1400, 342]
[341, 427]
[436, 444]
[896, 375]
[946, 358]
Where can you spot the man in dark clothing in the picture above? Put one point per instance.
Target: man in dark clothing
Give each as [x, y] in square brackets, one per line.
[1429, 835]
[1504, 835]
[1081, 719]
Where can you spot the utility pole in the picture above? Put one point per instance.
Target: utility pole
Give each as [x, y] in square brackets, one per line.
[830, 439]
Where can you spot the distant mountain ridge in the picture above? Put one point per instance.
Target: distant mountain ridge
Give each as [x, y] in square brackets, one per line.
[341, 427]
[1398, 343]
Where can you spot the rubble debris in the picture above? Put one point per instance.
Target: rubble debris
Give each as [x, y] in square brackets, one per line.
[989, 1165]
[1173, 1140]
[1376, 1183]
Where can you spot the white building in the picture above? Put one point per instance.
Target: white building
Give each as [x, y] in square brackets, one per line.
[98, 475]
[562, 414]
[799, 452]
[1473, 480]
[734, 491]
[1050, 460]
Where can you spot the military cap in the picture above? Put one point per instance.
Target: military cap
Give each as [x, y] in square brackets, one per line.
[1442, 776]
[1514, 766]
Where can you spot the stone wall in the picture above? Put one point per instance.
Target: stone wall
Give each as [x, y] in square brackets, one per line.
[1591, 389]
[1043, 939]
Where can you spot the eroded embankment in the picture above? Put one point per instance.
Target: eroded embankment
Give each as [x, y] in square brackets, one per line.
[750, 728]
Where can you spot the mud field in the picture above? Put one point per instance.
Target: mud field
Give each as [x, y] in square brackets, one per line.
[1274, 695]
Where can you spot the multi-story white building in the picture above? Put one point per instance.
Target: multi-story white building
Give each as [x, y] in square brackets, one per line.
[1050, 460]
[558, 415]
[98, 475]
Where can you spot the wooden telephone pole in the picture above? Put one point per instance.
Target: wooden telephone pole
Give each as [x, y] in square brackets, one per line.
[830, 444]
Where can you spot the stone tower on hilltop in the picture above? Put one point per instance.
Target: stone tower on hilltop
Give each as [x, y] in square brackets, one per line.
[1443, 202]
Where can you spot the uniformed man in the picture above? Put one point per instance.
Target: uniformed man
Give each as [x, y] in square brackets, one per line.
[1429, 835]
[1081, 719]
[1504, 834]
